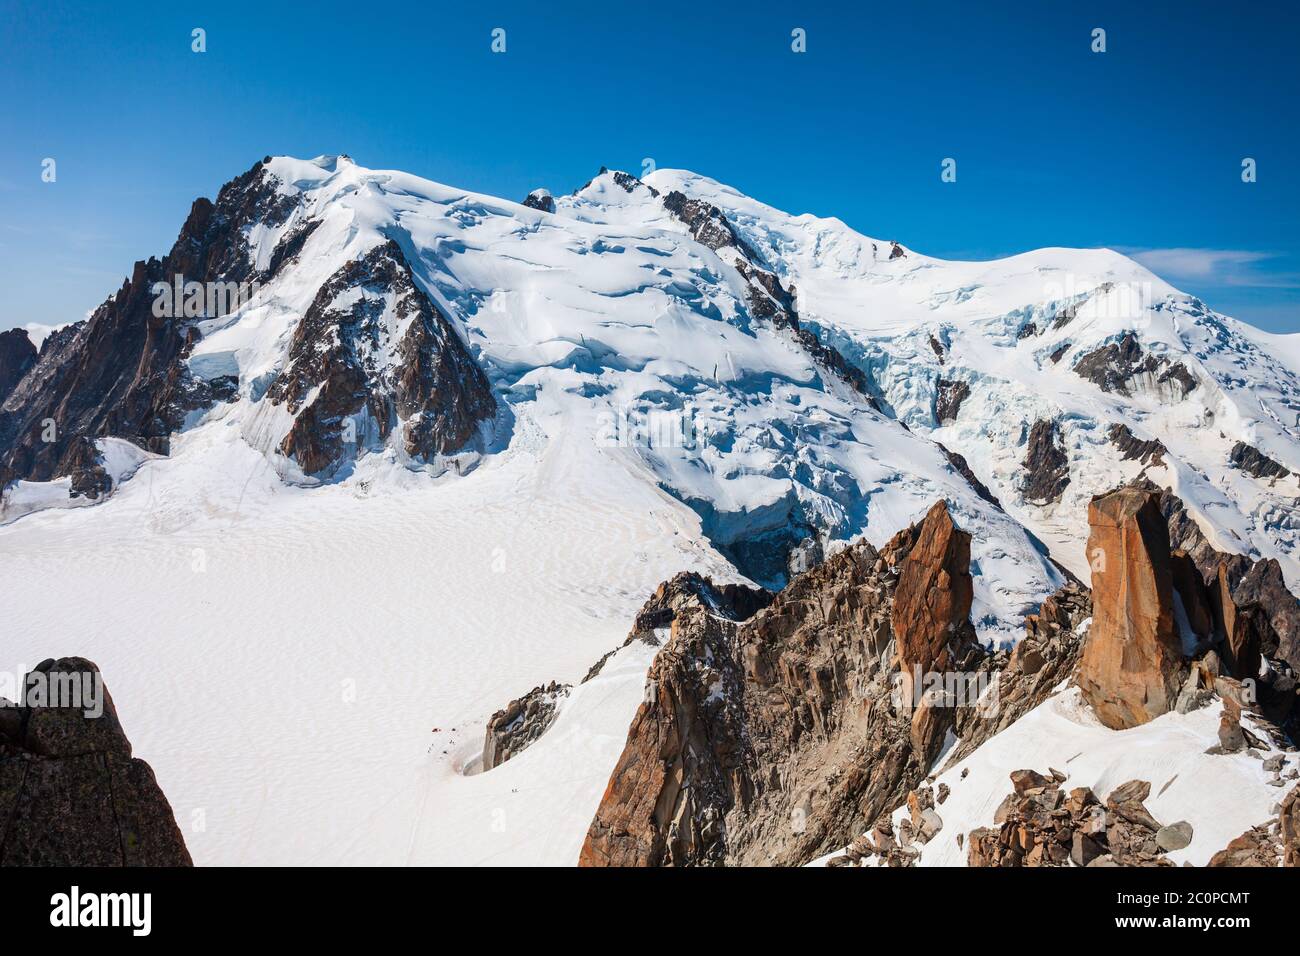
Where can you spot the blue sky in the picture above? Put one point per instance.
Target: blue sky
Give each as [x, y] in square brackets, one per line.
[1139, 148]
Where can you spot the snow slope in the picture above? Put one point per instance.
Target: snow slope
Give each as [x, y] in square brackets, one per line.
[883, 306]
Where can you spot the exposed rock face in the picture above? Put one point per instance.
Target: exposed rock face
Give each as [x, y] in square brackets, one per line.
[122, 372]
[1258, 591]
[71, 794]
[1132, 448]
[1028, 674]
[933, 598]
[1047, 469]
[1040, 825]
[1254, 462]
[372, 345]
[1288, 822]
[962, 467]
[736, 602]
[540, 199]
[930, 618]
[901, 848]
[947, 400]
[1198, 606]
[1273, 611]
[767, 297]
[1130, 671]
[776, 740]
[17, 355]
[1122, 366]
[1240, 627]
[779, 738]
[512, 729]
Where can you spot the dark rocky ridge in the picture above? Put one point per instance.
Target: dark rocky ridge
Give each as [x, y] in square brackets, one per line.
[948, 397]
[1255, 590]
[767, 297]
[1254, 462]
[1114, 367]
[962, 467]
[435, 387]
[1047, 469]
[17, 355]
[121, 372]
[1132, 448]
[71, 794]
[523, 721]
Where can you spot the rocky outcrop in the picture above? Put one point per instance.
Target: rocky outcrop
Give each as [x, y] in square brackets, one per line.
[513, 728]
[540, 199]
[1022, 678]
[1288, 828]
[523, 721]
[735, 602]
[1257, 589]
[122, 372]
[932, 600]
[901, 847]
[17, 356]
[71, 794]
[963, 468]
[1262, 599]
[1123, 367]
[930, 619]
[777, 739]
[1131, 667]
[1047, 469]
[1132, 448]
[1254, 462]
[766, 297]
[374, 349]
[1038, 824]
[948, 398]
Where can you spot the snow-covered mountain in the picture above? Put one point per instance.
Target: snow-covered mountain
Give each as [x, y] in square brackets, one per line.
[444, 446]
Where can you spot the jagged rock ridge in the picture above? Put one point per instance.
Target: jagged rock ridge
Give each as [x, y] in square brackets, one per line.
[770, 741]
[121, 372]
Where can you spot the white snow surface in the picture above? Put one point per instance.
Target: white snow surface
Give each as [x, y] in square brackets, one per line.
[281, 651]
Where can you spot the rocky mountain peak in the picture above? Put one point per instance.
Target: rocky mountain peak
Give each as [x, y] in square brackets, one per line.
[373, 355]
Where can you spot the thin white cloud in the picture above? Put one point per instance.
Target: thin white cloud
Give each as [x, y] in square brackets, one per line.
[1235, 267]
